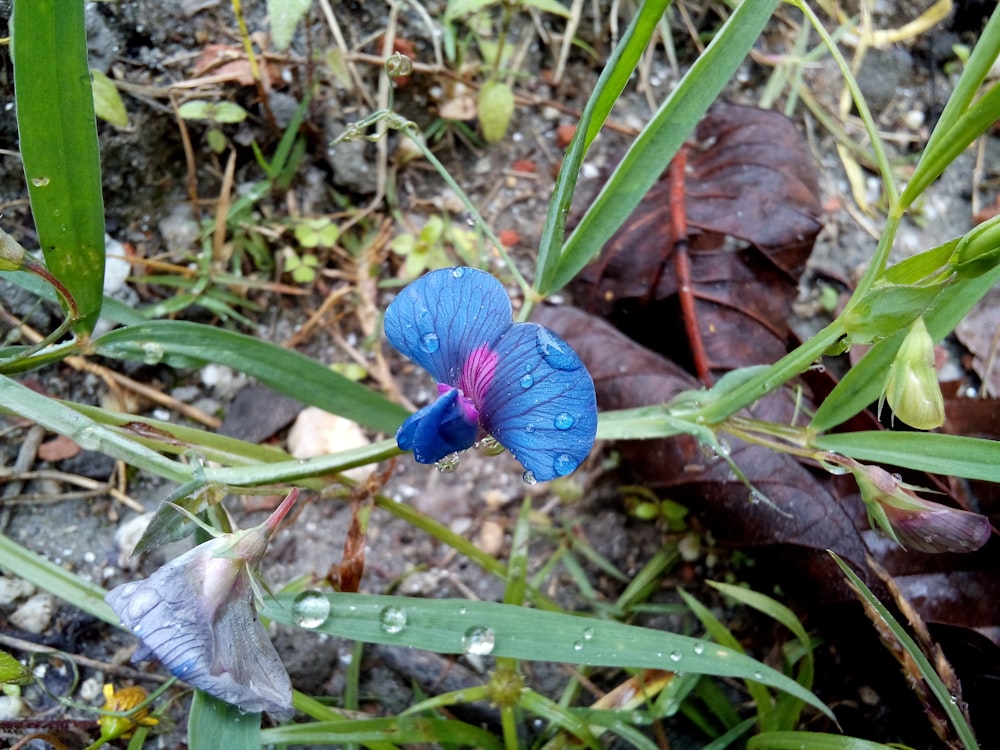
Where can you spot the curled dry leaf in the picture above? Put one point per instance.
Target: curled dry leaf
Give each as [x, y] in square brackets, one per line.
[750, 177]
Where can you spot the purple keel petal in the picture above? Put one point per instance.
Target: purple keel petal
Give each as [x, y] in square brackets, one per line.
[222, 649]
[440, 319]
[541, 404]
[439, 429]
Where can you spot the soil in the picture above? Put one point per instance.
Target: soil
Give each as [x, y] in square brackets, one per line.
[151, 47]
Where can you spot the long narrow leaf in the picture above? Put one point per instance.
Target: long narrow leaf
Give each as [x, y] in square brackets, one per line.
[58, 140]
[193, 345]
[213, 724]
[608, 88]
[930, 675]
[951, 455]
[449, 626]
[661, 138]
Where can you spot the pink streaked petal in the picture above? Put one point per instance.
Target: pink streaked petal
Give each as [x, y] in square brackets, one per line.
[477, 374]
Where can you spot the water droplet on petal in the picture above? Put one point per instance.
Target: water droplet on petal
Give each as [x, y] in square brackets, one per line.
[529, 427]
[310, 609]
[564, 421]
[527, 380]
[430, 342]
[676, 656]
[528, 478]
[392, 619]
[448, 464]
[556, 351]
[478, 640]
[564, 464]
[458, 272]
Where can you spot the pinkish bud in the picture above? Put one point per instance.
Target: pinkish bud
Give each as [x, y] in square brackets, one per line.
[915, 523]
[196, 615]
[912, 388]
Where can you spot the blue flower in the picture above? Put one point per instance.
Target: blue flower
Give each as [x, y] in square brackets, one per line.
[518, 382]
[196, 615]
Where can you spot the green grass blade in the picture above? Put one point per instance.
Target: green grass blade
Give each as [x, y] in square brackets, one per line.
[23, 563]
[660, 139]
[16, 398]
[214, 724]
[811, 741]
[193, 345]
[930, 675]
[531, 634]
[58, 139]
[397, 729]
[609, 86]
[951, 455]
[957, 126]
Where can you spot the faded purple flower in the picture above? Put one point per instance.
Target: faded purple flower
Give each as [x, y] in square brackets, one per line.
[196, 615]
[911, 521]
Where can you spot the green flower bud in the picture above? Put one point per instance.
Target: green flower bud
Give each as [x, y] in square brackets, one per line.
[912, 388]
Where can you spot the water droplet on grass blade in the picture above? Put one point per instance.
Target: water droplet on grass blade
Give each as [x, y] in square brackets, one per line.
[310, 609]
[392, 619]
[478, 640]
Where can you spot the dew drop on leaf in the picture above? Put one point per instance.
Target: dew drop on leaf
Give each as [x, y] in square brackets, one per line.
[392, 619]
[310, 609]
[478, 640]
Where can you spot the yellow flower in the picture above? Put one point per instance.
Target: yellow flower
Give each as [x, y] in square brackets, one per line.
[123, 701]
[912, 388]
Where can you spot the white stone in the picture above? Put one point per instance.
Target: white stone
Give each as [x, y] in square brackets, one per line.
[12, 589]
[317, 433]
[35, 615]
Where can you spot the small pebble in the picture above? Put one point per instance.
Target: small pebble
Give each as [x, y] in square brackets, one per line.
[35, 615]
[12, 589]
[12, 707]
[127, 536]
[491, 538]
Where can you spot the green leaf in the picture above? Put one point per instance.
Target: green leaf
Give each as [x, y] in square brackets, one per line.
[108, 104]
[221, 112]
[409, 730]
[496, 107]
[58, 138]
[887, 308]
[811, 741]
[23, 563]
[285, 16]
[610, 84]
[214, 724]
[450, 626]
[951, 455]
[194, 345]
[659, 141]
[13, 672]
[549, 6]
[459, 8]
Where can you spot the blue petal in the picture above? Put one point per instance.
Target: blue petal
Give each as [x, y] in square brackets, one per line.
[541, 404]
[437, 430]
[442, 317]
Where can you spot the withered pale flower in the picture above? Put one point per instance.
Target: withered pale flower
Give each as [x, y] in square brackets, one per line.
[197, 616]
[915, 523]
[912, 389]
